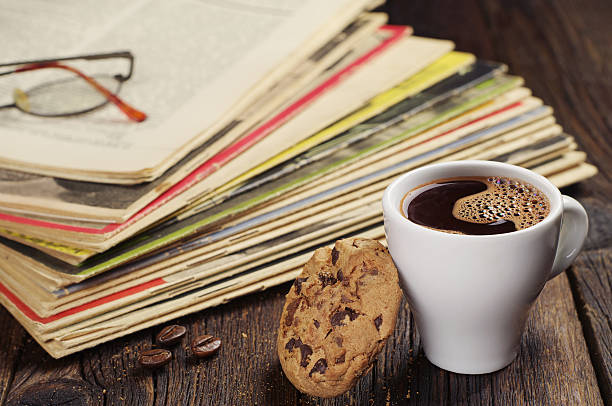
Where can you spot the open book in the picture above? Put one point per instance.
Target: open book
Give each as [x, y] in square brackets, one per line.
[197, 65]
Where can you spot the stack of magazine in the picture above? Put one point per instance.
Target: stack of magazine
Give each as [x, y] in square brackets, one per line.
[273, 129]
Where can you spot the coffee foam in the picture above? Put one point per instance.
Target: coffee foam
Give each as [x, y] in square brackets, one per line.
[504, 198]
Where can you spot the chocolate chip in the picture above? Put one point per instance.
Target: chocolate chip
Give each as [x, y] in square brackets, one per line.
[292, 343]
[340, 359]
[154, 358]
[298, 284]
[337, 319]
[378, 322]
[334, 255]
[339, 275]
[366, 270]
[291, 308]
[305, 350]
[351, 313]
[320, 366]
[316, 323]
[327, 279]
[170, 335]
[205, 345]
[355, 244]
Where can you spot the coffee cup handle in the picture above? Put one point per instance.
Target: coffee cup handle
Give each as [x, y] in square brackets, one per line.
[574, 229]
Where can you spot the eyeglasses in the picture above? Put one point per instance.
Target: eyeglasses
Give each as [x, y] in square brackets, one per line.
[75, 94]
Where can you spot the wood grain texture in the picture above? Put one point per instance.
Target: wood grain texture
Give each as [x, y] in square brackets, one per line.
[563, 50]
[41, 380]
[11, 348]
[594, 301]
[591, 277]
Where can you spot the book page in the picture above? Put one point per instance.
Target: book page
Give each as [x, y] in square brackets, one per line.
[193, 61]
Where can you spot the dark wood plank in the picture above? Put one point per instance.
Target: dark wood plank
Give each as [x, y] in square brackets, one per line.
[11, 347]
[114, 371]
[247, 365]
[393, 372]
[593, 294]
[554, 362]
[245, 371]
[107, 374]
[590, 101]
[41, 380]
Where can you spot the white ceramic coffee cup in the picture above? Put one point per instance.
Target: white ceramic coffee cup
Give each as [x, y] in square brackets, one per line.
[471, 294]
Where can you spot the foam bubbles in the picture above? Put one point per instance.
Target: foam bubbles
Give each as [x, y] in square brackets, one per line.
[504, 198]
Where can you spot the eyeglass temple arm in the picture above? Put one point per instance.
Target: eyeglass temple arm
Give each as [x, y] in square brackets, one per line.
[131, 112]
[91, 57]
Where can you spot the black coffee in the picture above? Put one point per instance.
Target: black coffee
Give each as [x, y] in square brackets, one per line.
[476, 205]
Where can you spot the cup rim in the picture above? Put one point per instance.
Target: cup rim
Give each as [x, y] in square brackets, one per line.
[390, 210]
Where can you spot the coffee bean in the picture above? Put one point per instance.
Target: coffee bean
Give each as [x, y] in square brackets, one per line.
[171, 335]
[154, 358]
[205, 345]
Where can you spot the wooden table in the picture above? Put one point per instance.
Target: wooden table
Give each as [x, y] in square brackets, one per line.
[563, 49]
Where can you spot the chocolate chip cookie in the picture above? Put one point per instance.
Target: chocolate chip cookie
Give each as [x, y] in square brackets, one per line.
[337, 316]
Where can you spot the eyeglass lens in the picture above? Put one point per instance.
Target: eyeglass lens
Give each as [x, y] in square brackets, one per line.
[64, 97]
